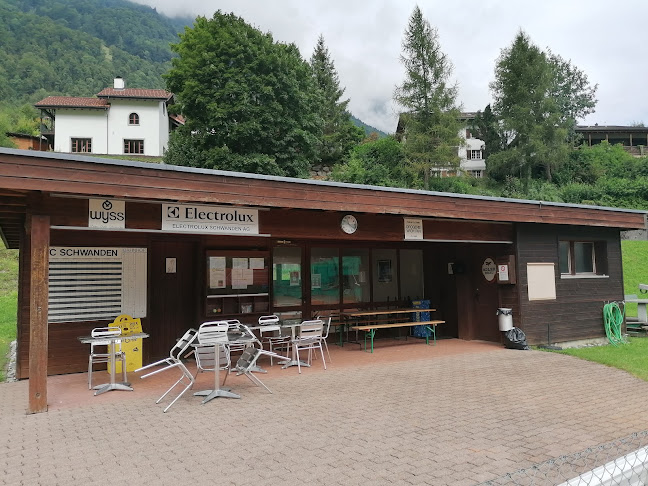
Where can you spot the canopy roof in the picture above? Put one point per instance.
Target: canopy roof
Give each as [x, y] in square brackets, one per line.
[26, 176]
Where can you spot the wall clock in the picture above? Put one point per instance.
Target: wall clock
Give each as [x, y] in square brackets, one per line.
[349, 224]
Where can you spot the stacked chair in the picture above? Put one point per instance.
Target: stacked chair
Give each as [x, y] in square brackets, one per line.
[103, 355]
[278, 340]
[174, 361]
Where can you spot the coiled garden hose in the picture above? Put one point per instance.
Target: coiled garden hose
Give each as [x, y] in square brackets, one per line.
[613, 320]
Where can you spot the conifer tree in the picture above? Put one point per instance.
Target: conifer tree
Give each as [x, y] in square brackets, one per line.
[339, 134]
[431, 117]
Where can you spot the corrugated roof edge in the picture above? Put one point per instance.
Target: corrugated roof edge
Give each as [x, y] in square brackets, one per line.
[245, 175]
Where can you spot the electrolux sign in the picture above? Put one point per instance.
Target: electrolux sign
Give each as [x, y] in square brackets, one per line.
[190, 218]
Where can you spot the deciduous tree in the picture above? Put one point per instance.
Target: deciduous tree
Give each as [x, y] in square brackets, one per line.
[379, 161]
[249, 101]
[534, 128]
[538, 98]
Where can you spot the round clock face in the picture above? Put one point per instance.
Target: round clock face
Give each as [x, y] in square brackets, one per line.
[349, 224]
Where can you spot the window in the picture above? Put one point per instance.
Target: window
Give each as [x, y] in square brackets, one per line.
[468, 134]
[133, 119]
[133, 146]
[476, 173]
[82, 145]
[582, 258]
[237, 282]
[475, 154]
[325, 278]
[286, 277]
[355, 276]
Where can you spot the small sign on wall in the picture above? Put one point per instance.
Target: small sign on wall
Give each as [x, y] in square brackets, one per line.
[106, 213]
[489, 269]
[170, 265]
[190, 218]
[413, 228]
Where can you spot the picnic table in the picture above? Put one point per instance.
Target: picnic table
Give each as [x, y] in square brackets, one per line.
[371, 321]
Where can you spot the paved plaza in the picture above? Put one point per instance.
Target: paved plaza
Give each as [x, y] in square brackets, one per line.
[458, 413]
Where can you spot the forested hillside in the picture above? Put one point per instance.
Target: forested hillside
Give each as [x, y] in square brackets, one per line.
[368, 129]
[76, 47]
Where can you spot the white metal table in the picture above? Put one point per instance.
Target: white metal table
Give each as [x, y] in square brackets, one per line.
[113, 385]
[218, 391]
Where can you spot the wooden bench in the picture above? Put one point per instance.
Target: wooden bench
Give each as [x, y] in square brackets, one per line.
[635, 327]
[355, 319]
[370, 329]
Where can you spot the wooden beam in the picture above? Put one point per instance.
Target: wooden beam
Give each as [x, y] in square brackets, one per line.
[39, 235]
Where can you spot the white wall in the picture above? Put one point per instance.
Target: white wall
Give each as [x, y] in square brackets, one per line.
[165, 127]
[80, 123]
[150, 128]
[466, 163]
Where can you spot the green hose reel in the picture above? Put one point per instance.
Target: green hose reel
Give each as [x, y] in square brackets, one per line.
[613, 321]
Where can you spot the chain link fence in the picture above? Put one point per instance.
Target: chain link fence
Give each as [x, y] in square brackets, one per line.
[623, 462]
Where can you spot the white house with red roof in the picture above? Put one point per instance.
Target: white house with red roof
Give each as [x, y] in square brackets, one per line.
[117, 121]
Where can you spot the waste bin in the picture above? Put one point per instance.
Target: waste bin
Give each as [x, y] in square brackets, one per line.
[421, 331]
[505, 318]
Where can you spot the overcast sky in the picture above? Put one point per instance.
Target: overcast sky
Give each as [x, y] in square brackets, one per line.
[605, 40]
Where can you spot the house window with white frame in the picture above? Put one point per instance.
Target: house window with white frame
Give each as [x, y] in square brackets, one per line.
[81, 145]
[133, 146]
[476, 173]
[475, 154]
[133, 119]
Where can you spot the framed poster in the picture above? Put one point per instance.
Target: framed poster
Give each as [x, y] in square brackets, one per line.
[385, 271]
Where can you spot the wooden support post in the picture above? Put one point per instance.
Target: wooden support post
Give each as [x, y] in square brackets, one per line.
[38, 229]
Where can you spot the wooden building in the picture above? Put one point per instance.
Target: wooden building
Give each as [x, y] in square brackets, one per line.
[28, 142]
[177, 246]
[633, 139]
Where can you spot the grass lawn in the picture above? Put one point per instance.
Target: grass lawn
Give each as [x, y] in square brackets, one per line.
[8, 303]
[631, 357]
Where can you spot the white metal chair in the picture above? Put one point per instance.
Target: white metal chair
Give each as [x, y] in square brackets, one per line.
[210, 334]
[234, 326]
[104, 355]
[309, 338]
[246, 364]
[279, 340]
[327, 328]
[175, 361]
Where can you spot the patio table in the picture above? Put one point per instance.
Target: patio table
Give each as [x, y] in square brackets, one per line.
[113, 385]
[218, 391]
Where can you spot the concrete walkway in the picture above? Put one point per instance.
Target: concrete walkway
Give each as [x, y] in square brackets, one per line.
[453, 414]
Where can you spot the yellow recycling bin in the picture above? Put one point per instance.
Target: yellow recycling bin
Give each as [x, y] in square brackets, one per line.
[132, 348]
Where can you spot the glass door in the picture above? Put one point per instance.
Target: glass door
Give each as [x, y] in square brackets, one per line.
[287, 296]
